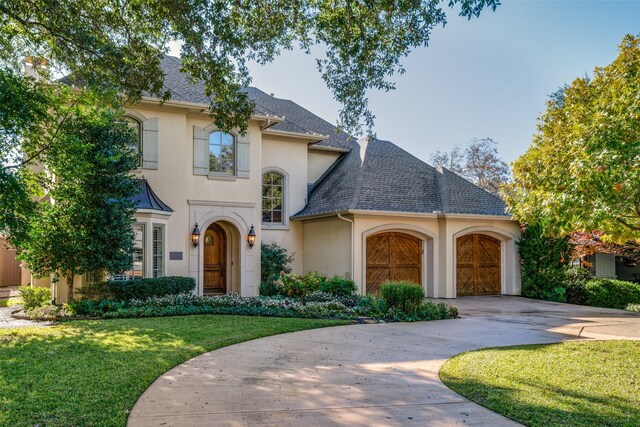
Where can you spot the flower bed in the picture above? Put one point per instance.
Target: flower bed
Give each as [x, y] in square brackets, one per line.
[315, 305]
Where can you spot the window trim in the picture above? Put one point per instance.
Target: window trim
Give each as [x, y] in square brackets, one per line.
[163, 241]
[220, 175]
[134, 118]
[144, 256]
[284, 225]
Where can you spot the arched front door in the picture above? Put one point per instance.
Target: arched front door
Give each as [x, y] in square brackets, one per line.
[393, 256]
[215, 260]
[478, 265]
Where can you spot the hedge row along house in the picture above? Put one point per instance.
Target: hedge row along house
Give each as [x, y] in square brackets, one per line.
[361, 209]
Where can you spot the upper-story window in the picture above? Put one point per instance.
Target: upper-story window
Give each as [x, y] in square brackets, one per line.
[222, 147]
[136, 125]
[273, 198]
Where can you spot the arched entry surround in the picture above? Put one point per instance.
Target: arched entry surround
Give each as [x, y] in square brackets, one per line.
[234, 246]
[509, 277]
[429, 255]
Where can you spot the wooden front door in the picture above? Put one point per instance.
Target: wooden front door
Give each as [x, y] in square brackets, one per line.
[478, 262]
[215, 260]
[393, 256]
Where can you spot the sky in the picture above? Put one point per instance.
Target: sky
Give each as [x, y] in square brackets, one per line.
[488, 77]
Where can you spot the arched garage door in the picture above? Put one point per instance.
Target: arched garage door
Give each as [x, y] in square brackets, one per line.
[478, 259]
[393, 256]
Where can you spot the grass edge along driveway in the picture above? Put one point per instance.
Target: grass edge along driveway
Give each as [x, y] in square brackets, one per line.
[91, 373]
[574, 383]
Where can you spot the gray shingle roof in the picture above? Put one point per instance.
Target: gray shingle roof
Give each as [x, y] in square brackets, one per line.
[381, 176]
[296, 118]
[374, 175]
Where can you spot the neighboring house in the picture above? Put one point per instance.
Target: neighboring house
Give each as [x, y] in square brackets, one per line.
[607, 260]
[365, 210]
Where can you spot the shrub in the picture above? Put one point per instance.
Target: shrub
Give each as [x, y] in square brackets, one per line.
[611, 293]
[34, 297]
[299, 286]
[575, 280]
[542, 263]
[125, 290]
[274, 260]
[633, 307]
[270, 288]
[404, 296]
[338, 286]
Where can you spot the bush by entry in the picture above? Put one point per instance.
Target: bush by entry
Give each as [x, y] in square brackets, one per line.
[90, 373]
[591, 383]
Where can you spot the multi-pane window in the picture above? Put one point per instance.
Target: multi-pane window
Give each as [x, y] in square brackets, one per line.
[272, 198]
[137, 267]
[158, 251]
[136, 125]
[222, 153]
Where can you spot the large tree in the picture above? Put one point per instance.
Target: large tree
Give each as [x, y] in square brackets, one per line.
[478, 162]
[582, 172]
[117, 45]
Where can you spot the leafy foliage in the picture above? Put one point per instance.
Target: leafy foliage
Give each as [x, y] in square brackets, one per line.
[34, 297]
[582, 172]
[338, 286]
[314, 305]
[126, 290]
[479, 163]
[404, 296]
[274, 260]
[542, 263]
[363, 43]
[607, 293]
[88, 227]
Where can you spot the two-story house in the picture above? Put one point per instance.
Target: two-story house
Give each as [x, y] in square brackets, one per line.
[362, 209]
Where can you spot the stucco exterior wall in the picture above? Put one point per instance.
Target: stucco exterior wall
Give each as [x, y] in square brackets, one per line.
[288, 157]
[327, 247]
[318, 162]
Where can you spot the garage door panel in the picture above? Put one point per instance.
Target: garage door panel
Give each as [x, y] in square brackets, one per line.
[378, 250]
[464, 249]
[488, 250]
[393, 256]
[488, 281]
[409, 274]
[478, 265]
[464, 281]
[375, 277]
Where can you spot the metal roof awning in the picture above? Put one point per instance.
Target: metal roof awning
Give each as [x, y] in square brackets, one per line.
[147, 199]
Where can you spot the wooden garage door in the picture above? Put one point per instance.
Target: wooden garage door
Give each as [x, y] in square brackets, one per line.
[393, 256]
[478, 265]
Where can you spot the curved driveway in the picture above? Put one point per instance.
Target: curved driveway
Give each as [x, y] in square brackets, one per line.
[362, 375]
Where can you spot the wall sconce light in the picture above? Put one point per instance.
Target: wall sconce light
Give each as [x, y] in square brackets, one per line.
[195, 236]
[251, 237]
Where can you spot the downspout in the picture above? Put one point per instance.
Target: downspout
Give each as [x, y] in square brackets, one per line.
[351, 253]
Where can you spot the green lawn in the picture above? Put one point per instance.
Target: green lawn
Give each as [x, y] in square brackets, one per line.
[90, 373]
[592, 383]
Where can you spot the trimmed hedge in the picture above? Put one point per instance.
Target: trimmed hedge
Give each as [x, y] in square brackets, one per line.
[126, 290]
[607, 293]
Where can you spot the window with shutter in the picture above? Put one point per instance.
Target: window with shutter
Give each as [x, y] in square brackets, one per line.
[149, 152]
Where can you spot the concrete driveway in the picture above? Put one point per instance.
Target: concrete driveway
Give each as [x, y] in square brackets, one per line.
[363, 375]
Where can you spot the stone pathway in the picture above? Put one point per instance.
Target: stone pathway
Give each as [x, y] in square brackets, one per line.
[6, 321]
[362, 375]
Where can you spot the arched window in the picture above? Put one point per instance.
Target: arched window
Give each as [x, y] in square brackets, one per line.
[136, 125]
[222, 146]
[273, 198]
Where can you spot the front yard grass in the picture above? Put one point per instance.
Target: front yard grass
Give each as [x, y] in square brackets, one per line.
[569, 384]
[90, 373]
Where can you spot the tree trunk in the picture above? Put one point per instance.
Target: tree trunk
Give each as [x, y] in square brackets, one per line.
[70, 277]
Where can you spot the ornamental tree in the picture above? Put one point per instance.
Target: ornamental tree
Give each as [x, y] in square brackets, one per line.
[113, 45]
[84, 221]
[582, 172]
